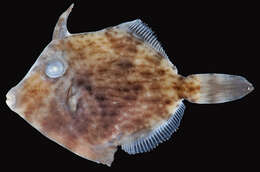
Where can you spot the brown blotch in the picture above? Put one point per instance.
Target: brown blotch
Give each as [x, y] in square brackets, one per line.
[83, 82]
[167, 102]
[193, 88]
[155, 86]
[90, 43]
[132, 49]
[109, 112]
[161, 72]
[73, 44]
[102, 70]
[137, 87]
[146, 74]
[181, 78]
[125, 64]
[130, 97]
[123, 89]
[186, 87]
[152, 60]
[123, 43]
[177, 87]
[100, 97]
[88, 88]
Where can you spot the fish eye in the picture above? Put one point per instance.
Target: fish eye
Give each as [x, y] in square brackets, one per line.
[54, 69]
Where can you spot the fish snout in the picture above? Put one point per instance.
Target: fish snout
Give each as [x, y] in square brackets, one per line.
[247, 87]
[10, 99]
[250, 87]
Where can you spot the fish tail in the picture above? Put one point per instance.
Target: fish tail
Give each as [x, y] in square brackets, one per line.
[215, 88]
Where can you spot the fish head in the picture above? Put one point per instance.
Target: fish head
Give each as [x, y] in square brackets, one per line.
[53, 98]
[39, 82]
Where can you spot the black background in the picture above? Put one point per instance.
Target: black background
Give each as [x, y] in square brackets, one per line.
[198, 37]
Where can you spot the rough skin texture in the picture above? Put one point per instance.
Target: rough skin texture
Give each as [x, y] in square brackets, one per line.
[115, 88]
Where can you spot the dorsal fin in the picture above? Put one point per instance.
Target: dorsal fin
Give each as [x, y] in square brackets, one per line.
[158, 135]
[60, 30]
[140, 30]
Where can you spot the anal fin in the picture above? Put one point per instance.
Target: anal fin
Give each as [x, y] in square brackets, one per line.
[156, 136]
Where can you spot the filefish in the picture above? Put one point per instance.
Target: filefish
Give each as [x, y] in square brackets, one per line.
[96, 91]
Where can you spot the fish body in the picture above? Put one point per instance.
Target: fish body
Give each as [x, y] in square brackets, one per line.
[91, 92]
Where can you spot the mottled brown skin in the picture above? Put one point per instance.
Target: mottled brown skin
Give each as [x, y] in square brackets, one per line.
[115, 88]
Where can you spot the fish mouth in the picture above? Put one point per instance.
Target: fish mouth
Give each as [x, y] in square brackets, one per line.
[250, 87]
[10, 99]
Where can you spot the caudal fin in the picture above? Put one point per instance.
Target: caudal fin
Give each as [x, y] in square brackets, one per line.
[220, 88]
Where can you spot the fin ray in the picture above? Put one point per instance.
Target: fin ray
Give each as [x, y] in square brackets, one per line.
[220, 88]
[158, 135]
[140, 30]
